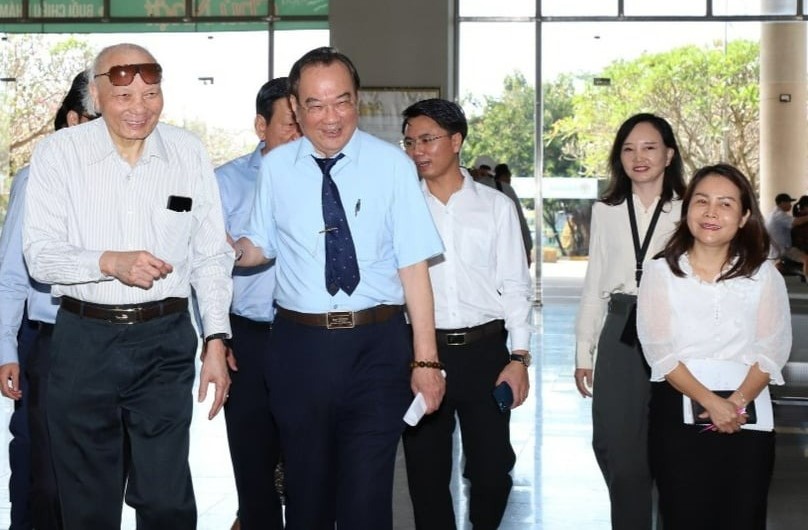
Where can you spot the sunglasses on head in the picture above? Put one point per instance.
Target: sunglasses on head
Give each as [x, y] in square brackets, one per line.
[124, 74]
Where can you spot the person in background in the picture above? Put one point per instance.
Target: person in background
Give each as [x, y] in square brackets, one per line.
[482, 298]
[779, 225]
[342, 213]
[29, 311]
[631, 222]
[799, 232]
[123, 218]
[251, 431]
[502, 181]
[714, 296]
[484, 171]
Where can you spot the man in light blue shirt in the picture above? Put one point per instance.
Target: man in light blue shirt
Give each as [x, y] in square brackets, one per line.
[340, 346]
[251, 430]
[32, 488]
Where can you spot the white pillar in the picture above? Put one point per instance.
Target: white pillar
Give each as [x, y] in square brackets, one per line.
[783, 126]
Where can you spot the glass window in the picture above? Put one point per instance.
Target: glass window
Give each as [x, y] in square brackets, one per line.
[556, 8]
[665, 7]
[291, 45]
[500, 8]
[754, 7]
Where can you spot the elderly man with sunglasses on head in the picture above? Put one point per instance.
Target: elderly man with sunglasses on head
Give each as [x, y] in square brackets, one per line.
[122, 218]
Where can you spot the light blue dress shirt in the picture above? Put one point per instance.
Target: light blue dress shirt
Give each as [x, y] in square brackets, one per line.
[252, 287]
[16, 287]
[386, 211]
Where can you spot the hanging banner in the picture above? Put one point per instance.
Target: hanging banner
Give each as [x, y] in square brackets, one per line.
[88, 14]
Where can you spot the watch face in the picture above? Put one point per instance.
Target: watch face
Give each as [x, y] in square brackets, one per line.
[524, 359]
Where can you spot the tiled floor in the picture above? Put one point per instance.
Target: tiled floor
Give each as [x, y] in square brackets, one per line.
[557, 485]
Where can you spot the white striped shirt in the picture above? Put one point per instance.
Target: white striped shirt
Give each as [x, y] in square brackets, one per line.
[84, 199]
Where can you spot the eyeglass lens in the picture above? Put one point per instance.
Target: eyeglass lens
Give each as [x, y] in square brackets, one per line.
[124, 74]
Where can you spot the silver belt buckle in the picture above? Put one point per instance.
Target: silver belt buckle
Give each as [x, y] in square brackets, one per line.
[455, 339]
[339, 320]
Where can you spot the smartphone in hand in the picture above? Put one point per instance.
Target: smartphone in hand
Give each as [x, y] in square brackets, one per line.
[503, 395]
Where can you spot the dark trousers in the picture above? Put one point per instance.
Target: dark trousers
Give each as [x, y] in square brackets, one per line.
[44, 494]
[119, 409]
[471, 372]
[339, 397]
[251, 430]
[19, 449]
[698, 473]
[620, 403]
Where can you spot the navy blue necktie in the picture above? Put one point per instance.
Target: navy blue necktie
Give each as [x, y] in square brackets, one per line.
[341, 268]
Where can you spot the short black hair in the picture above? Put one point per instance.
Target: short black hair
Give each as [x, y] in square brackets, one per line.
[75, 100]
[447, 114]
[268, 94]
[501, 169]
[326, 56]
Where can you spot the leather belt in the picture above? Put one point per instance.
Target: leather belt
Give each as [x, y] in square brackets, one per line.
[125, 314]
[342, 319]
[464, 336]
[45, 328]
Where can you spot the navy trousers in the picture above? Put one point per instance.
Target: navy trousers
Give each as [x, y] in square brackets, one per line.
[46, 513]
[339, 397]
[251, 431]
[119, 413]
[19, 450]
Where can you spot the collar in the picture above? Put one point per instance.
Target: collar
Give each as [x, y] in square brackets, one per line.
[256, 156]
[468, 185]
[101, 145]
[306, 150]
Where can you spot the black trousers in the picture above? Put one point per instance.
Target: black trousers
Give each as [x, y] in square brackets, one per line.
[339, 397]
[471, 372]
[119, 410]
[46, 512]
[251, 430]
[707, 480]
[621, 397]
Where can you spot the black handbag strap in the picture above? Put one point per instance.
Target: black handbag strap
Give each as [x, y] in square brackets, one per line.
[640, 251]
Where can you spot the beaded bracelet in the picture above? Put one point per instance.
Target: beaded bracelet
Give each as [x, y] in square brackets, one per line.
[437, 365]
[743, 398]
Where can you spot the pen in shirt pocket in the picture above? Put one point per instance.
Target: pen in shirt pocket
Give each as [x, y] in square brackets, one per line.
[357, 207]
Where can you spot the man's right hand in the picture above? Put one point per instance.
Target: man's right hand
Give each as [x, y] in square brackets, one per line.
[10, 381]
[583, 380]
[431, 384]
[137, 268]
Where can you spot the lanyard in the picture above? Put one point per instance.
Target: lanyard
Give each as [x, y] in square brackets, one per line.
[639, 252]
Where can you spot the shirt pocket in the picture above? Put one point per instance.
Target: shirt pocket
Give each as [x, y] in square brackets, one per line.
[474, 245]
[172, 235]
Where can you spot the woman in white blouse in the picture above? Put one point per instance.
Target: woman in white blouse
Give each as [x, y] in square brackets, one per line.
[646, 183]
[713, 315]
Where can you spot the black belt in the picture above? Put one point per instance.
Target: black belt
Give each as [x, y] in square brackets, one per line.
[342, 319]
[463, 336]
[45, 328]
[259, 325]
[125, 314]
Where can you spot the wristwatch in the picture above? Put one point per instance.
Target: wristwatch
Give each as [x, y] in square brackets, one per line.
[524, 359]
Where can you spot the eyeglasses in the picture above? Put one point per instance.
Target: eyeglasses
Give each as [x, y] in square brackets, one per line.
[318, 109]
[408, 144]
[124, 74]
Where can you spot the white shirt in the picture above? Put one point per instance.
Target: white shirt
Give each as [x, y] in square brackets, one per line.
[746, 320]
[482, 275]
[84, 199]
[612, 262]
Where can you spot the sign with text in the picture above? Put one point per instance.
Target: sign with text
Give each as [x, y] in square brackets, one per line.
[88, 14]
